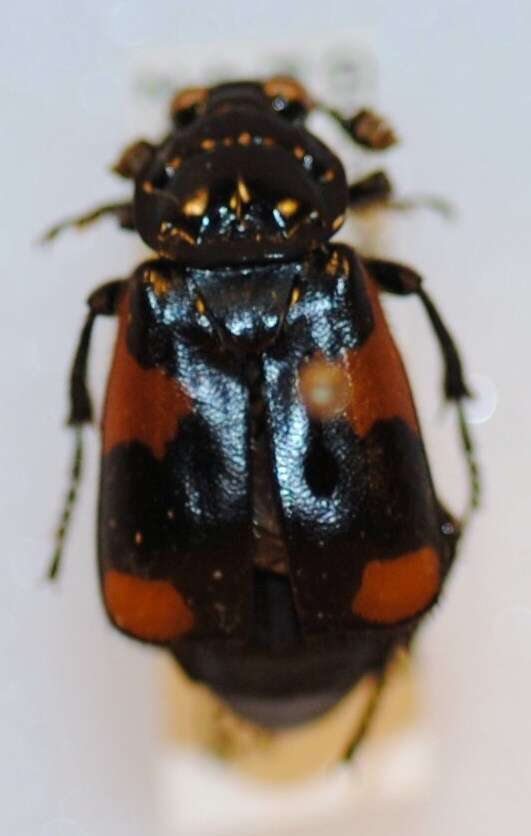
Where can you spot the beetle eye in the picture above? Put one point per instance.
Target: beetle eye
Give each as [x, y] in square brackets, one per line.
[288, 97]
[188, 104]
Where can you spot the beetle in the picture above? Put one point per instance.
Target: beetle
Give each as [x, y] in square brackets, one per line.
[266, 507]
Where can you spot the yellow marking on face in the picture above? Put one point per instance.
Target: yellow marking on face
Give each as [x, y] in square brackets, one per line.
[243, 190]
[288, 206]
[160, 284]
[241, 196]
[177, 232]
[200, 306]
[332, 264]
[338, 222]
[169, 230]
[245, 138]
[295, 296]
[195, 205]
[208, 144]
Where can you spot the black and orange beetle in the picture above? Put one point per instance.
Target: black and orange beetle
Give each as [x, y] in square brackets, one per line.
[266, 508]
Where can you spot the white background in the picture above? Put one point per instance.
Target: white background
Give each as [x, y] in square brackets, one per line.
[80, 747]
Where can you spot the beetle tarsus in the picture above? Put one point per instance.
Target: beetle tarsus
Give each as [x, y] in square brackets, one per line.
[76, 471]
[472, 464]
[434, 203]
[123, 212]
[376, 191]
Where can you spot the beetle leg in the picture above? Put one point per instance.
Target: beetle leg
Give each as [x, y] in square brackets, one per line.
[367, 718]
[451, 529]
[433, 202]
[373, 190]
[102, 301]
[376, 190]
[123, 212]
[403, 281]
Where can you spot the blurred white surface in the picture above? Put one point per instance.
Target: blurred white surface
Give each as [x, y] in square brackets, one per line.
[80, 750]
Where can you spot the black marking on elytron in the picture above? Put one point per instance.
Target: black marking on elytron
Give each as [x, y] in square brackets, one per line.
[193, 519]
[381, 506]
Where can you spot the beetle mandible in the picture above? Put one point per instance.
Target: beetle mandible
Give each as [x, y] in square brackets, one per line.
[266, 508]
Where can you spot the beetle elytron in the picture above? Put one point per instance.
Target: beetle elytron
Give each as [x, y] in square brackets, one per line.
[266, 509]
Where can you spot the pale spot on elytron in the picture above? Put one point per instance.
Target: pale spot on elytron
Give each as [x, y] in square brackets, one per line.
[324, 387]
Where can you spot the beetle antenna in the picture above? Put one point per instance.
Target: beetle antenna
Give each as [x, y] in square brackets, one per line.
[365, 128]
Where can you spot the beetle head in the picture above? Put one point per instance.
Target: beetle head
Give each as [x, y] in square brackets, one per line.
[240, 179]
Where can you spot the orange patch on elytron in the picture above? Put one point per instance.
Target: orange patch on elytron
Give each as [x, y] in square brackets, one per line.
[142, 404]
[379, 383]
[400, 588]
[149, 610]
[324, 387]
